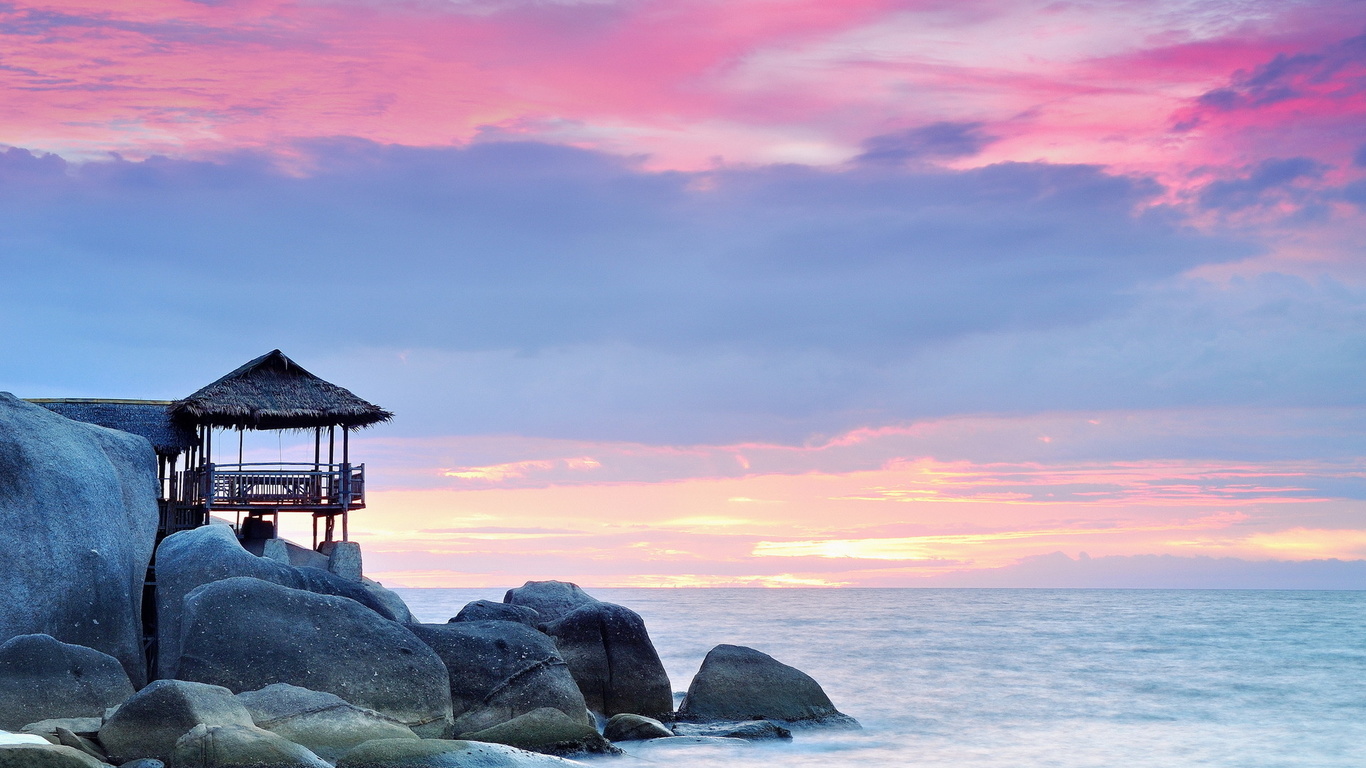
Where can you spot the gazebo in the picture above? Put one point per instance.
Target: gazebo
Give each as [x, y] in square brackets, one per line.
[271, 393]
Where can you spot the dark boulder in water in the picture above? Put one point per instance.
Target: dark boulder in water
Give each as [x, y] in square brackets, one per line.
[629, 727]
[549, 599]
[500, 670]
[612, 659]
[737, 683]
[486, 610]
[548, 731]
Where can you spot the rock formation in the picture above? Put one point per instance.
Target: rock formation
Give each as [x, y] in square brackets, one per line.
[499, 670]
[78, 507]
[245, 634]
[737, 683]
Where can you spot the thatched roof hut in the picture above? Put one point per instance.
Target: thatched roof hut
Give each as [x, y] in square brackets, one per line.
[148, 418]
[273, 392]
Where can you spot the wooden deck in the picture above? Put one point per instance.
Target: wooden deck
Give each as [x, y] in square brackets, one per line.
[273, 487]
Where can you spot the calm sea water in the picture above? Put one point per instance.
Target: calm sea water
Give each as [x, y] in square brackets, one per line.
[1066, 678]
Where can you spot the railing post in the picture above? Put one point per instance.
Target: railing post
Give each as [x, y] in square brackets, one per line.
[208, 487]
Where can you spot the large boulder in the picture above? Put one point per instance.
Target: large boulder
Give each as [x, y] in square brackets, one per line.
[190, 559]
[150, 722]
[440, 753]
[612, 660]
[245, 634]
[46, 756]
[78, 505]
[241, 746]
[737, 683]
[548, 731]
[323, 722]
[486, 610]
[549, 599]
[42, 678]
[499, 670]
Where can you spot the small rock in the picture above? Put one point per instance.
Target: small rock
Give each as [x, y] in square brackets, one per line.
[144, 762]
[548, 731]
[750, 730]
[241, 746]
[441, 753]
[149, 723]
[323, 722]
[737, 683]
[629, 727]
[68, 739]
[43, 678]
[487, 610]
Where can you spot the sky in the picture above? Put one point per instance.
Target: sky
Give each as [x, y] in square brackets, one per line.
[1008, 293]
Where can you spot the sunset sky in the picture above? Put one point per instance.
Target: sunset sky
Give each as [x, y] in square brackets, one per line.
[741, 293]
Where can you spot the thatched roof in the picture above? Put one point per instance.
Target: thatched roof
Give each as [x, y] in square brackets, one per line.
[273, 392]
[148, 418]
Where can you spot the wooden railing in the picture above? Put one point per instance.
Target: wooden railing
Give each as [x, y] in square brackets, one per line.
[284, 487]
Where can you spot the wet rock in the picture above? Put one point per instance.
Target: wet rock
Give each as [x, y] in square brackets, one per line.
[150, 722]
[241, 746]
[750, 730]
[549, 599]
[190, 559]
[548, 731]
[500, 670]
[144, 762]
[486, 610]
[629, 727]
[78, 507]
[737, 683]
[612, 660]
[323, 722]
[245, 634]
[46, 756]
[438, 753]
[43, 678]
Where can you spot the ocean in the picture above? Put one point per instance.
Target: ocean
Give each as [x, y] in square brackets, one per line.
[999, 677]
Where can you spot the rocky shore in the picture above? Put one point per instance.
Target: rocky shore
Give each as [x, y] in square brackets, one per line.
[265, 662]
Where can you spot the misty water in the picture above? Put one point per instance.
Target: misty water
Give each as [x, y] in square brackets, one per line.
[1065, 678]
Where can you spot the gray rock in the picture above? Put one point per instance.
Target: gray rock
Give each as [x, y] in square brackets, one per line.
[549, 599]
[144, 762]
[149, 723]
[345, 560]
[241, 746]
[487, 610]
[68, 739]
[548, 731]
[43, 678]
[323, 722]
[392, 603]
[499, 670]
[629, 727]
[190, 559]
[612, 660]
[750, 730]
[79, 512]
[275, 549]
[46, 756]
[88, 727]
[245, 634]
[737, 683]
[439, 753]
